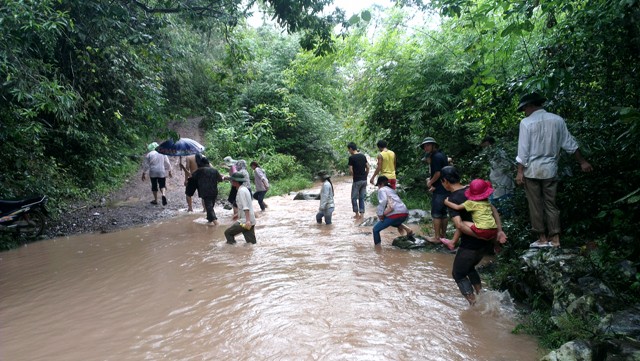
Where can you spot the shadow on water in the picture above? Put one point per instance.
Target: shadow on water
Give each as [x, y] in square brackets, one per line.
[174, 290]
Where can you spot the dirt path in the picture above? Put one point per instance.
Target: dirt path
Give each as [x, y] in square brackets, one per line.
[129, 206]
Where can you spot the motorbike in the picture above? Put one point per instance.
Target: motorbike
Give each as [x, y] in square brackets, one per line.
[25, 217]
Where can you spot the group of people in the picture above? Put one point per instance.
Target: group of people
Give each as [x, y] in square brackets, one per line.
[472, 209]
[200, 176]
[542, 136]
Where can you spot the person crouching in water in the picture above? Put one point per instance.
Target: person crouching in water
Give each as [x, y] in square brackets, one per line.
[247, 221]
[392, 212]
[326, 199]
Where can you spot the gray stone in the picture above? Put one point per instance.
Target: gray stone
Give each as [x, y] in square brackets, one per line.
[623, 323]
[306, 196]
[578, 350]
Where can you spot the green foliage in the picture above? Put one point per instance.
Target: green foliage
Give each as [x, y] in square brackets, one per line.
[295, 183]
[556, 331]
[281, 166]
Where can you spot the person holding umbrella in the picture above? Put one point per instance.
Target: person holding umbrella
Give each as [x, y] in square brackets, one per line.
[183, 147]
[158, 166]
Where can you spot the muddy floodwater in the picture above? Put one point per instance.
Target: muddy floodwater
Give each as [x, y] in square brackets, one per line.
[175, 291]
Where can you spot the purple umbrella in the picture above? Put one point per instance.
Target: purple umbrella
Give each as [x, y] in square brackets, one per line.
[183, 147]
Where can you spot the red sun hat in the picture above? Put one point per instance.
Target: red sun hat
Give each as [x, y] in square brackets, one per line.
[478, 190]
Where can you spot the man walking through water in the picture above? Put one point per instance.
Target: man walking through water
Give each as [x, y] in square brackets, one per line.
[359, 169]
[386, 164]
[247, 221]
[542, 136]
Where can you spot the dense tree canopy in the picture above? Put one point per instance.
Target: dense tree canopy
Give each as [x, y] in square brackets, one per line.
[85, 84]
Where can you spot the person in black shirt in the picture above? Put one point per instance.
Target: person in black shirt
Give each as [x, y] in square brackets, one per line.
[205, 179]
[359, 169]
[471, 249]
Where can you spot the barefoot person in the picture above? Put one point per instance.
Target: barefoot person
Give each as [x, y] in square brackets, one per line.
[247, 218]
[391, 211]
[190, 166]
[437, 160]
[472, 248]
[359, 169]
[158, 167]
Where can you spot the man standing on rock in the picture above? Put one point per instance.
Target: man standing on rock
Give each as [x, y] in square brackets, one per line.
[359, 169]
[542, 136]
[247, 221]
[437, 160]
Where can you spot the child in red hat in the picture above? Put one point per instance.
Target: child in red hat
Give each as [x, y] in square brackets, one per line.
[484, 225]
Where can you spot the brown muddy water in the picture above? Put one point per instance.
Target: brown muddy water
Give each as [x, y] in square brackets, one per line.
[175, 291]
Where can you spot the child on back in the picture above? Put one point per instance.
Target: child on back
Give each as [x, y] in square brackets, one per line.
[484, 224]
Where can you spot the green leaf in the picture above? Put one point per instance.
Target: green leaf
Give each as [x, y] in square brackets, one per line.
[366, 15]
[354, 19]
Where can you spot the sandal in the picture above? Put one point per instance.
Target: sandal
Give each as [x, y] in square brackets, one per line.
[154, 202]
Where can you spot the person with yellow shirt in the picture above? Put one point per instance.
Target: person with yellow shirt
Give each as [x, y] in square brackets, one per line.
[386, 164]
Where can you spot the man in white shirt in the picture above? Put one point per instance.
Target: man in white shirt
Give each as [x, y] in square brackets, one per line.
[247, 218]
[542, 136]
[158, 166]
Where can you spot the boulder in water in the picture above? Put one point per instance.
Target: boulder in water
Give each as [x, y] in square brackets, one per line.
[306, 196]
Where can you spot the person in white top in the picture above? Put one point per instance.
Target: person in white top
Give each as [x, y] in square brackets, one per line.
[262, 184]
[158, 167]
[247, 218]
[326, 199]
[391, 211]
[542, 136]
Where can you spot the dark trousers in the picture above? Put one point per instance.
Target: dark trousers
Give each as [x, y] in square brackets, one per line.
[209, 202]
[464, 269]
[235, 229]
[259, 196]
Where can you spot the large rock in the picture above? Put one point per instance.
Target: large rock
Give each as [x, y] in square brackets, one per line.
[405, 242]
[306, 196]
[571, 351]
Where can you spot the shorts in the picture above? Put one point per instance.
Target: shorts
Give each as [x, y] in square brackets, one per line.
[438, 209]
[155, 182]
[392, 183]
[192, 185]
[488, 234]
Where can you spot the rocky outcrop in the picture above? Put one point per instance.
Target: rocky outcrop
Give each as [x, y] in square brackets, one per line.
[577, 292]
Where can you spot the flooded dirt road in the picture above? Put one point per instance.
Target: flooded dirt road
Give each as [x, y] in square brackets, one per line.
[175, 291]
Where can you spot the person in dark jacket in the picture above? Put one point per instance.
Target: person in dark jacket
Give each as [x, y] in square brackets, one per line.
[205, 179]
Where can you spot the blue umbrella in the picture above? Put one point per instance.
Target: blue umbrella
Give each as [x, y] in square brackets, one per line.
[183, 147]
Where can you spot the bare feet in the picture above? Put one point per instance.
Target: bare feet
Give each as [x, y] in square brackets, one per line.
[449, 243]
